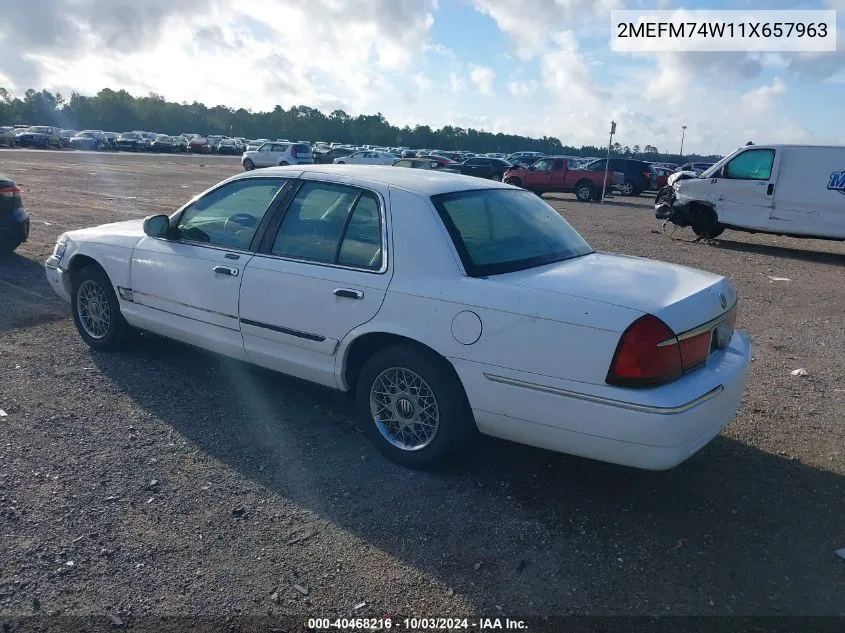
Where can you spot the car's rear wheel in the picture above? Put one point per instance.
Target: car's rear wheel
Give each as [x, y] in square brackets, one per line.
[248, 165]
[284, 163]
[628, 188]
[341, 162]
[413, 406]
[584, 191]
[96, 311]
[496, 177]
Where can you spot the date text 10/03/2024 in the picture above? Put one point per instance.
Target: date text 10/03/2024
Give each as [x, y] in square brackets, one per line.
[416, 624]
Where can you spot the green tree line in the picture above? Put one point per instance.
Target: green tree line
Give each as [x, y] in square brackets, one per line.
[118, 111]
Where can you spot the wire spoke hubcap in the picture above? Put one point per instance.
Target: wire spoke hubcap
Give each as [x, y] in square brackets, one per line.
[94, 309]
[404, 409]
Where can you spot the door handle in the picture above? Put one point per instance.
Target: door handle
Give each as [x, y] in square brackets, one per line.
[225, 270]
[348, 293]
[770, 189]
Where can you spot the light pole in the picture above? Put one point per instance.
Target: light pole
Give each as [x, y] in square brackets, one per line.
[683, 133]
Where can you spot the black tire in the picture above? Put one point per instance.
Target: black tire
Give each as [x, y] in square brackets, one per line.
[584, 191]
[513, 180]
[456, 425]
[705, 223]
[340, 162]
[248, 165]
[117, 334]
[284, 163]
[629, 188]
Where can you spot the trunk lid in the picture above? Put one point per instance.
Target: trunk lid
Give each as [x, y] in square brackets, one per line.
[684, 298]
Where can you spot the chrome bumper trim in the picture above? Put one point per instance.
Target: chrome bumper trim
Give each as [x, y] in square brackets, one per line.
[642, 408]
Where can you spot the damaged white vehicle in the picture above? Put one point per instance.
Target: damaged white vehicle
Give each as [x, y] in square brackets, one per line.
[794, 190]
[445, 304]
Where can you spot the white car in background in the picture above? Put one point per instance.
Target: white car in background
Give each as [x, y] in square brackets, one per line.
[275, 154]
[368, 157]
[446, 304]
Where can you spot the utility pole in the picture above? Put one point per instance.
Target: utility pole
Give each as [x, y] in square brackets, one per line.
[607, 162]
[683, 133]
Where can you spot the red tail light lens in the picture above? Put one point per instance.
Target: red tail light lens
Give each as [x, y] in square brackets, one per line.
[648, 354]
[293, 152]
[9, 191]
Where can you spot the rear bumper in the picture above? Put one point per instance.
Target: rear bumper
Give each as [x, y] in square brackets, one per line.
[14, 227]
[656, 434]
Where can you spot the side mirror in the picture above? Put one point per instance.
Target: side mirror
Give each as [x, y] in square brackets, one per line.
[157, 226]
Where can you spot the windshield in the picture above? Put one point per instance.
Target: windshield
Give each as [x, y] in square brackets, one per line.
[38, 129]
[128, 136]
[498, 231]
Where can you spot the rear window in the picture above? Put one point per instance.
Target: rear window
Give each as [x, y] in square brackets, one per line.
[498, 231]
[302, 148]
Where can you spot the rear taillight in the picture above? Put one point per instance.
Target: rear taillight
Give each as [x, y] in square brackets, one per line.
[647, 175]
[293, 152]
[647, 354]
[9, 191]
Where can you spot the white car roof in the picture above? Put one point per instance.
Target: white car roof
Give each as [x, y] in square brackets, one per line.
[421, 181]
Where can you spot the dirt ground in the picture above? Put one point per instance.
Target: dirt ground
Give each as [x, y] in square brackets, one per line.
[166, 480]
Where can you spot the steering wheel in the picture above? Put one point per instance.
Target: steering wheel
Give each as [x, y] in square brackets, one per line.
[239, 221]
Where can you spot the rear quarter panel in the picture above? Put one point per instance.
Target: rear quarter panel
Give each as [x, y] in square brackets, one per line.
[551, 335]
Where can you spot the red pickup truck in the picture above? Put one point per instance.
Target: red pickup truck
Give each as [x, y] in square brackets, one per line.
[553, 173]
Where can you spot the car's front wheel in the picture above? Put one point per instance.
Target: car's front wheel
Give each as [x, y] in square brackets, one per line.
[96, 311]
[248, 165]
[413, 406]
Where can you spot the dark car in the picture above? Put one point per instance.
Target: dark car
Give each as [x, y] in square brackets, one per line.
[43, 136]
[181, 143]
[329, 156]
[229, 146]
[639, 175]
[489, 168]
[89, 140]
[14, 220]
[111, 139]
[65, 136]
[163, 143]
[199, 145]
[445, 162]
[131, 141]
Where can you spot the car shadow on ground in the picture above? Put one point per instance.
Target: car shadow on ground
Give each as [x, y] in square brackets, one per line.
[735, 530]
[26, 298]
[818, 257]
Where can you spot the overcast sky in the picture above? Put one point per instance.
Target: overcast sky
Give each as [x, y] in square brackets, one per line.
[538, 67]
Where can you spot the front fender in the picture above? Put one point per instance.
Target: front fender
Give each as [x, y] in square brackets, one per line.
[114, 259]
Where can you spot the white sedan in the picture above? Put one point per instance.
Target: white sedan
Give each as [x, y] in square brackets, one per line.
[368, 157]
[446, 304]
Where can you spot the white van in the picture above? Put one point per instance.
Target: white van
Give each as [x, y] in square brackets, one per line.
[796, 190]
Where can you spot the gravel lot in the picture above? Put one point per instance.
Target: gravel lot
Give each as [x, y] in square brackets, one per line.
[170, 481]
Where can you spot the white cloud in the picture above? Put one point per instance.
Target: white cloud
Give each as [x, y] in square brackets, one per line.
[423, 83]
[531, 23]
[456, 82]
[760, 100]
[566, 74]
[482, 77]
[522, 89]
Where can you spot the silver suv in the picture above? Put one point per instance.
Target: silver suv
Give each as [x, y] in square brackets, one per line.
[272, 154]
